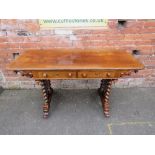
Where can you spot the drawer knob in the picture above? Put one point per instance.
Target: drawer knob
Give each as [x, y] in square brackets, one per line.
[108, 74]
[44, 75]
[122, 74]
[127, 73]
[70, 74]
[30, 75]
[84, 75]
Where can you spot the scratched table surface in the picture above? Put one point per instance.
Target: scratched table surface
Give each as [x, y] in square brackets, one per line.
[75, 59]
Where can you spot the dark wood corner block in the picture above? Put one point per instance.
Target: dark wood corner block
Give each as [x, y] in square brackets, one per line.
[45, 65]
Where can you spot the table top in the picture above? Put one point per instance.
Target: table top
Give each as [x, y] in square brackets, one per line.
[75, 59]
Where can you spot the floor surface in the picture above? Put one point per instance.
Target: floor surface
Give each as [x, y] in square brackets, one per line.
[78, 112]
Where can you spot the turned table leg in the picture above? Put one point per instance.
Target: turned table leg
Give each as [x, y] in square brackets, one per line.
[102, 87]
[47, 95]
[104, 92]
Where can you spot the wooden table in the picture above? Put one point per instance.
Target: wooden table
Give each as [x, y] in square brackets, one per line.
[45, 65]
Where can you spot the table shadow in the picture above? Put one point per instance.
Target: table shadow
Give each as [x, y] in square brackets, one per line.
[1, 90]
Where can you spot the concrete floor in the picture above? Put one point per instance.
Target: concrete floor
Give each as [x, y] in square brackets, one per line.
[78, 112]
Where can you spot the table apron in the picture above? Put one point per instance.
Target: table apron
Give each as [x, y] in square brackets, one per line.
[78, 74]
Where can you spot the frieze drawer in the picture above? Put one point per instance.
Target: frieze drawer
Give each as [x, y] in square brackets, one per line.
[54, 74]
[100, 74]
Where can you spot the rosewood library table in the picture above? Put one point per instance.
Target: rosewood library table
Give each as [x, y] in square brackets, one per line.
[45, 65]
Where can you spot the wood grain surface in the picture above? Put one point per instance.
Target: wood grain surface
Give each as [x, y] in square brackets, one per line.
[75, 59]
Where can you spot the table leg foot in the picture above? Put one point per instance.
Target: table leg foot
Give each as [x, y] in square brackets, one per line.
[45, 115]
[45, 110]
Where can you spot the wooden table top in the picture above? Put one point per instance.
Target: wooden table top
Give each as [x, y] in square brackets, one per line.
[75, 59]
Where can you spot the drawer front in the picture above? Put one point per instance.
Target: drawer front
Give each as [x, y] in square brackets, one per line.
[105, 74]
[54, 74]
[101, 74]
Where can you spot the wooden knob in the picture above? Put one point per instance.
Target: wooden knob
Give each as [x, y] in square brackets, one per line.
[70, 74]
[44, 75]
[127, 73]
[30, 75]
[84, 75]
[122, 74]
[19, 73]
[108, 74]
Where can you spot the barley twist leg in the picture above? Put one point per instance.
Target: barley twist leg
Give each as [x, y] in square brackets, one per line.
[106, 95]
[104, 92]
[47, 94]
[102, 87]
